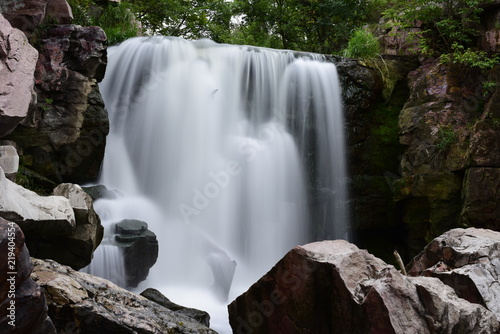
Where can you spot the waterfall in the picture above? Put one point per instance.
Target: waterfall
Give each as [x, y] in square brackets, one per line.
[219, 140]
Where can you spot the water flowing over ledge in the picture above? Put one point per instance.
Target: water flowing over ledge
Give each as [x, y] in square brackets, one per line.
[240, 150]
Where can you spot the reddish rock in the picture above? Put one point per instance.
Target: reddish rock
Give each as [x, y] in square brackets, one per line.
[60, 10]
[64, 137]
[26, 15]
[17, 66]
[334, 287]
[18, 289]
[397, 41]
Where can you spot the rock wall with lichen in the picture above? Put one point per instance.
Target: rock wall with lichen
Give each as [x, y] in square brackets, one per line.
[450, 128]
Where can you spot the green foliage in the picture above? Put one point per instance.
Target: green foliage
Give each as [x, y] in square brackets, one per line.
[117, 20]
[447, 137]
[450, 29]
[191, 19]
[473, 58]
[26, 178]
[46, 105]
[444, 22]
[362, 44]
[495, 121]
[322, 26]
[81, 11]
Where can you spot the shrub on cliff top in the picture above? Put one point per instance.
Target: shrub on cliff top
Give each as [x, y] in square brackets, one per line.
[362, 44]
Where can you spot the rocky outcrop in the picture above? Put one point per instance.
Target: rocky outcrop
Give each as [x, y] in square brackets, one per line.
[63, 138]
[64, 227]
[79, 302]
[490, 35]
[334, 287]
[17, 65]
[398, 41]
[374, 93]
[140, 249]
[76, 248]
[23, 308]
[26, 15]
[449, 127]
[157, 297]
[36, 215]
[481, 198]
[99, 191]
[9, 161]
[468, 260]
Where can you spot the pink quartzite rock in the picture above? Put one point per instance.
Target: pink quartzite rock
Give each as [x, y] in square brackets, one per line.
[26, 15]
[64, 136]
[17, 65]
[334, 287]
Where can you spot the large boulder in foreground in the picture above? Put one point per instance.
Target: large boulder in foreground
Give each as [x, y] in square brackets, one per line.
[468, 260]
[17, 67]
[22, 303]
[82, 303]
[334, 287]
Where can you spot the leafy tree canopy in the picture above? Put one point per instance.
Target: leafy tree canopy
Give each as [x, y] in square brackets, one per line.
[450, 27]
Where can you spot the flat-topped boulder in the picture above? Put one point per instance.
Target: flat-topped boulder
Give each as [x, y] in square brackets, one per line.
[36, 215]
[140, 249]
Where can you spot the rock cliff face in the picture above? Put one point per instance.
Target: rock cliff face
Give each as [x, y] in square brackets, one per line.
[27, 15]
[63, 132]
[17, 65]
[450, 166]
[64, 136]
[374, 93]
[334, 287]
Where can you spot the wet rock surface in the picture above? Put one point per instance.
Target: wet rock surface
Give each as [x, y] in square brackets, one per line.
[140, 249]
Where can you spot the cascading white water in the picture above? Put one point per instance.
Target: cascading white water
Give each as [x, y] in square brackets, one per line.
[313, 101]
[203, 132]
